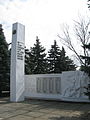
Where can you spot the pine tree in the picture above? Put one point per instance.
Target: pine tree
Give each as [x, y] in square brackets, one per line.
[38, 58]
[4, 63]
[86, 67]
[27, 71]
[86, 58]
[29, 64]
[58, 61]
[66, 64]
[53, 58]
[88, 1]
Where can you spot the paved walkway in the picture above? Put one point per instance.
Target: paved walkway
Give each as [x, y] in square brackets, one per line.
[43, 110]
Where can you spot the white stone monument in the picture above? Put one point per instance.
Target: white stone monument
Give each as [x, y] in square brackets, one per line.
[17, 63]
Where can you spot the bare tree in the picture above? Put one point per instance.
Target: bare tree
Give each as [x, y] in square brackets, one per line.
[81, 30]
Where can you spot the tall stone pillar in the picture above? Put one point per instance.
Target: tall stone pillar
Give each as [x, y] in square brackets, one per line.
[17, 63]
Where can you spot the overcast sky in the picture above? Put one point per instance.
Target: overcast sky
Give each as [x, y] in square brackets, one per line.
[41, 18]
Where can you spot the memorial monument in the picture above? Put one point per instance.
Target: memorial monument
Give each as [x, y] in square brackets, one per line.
[67, 86]
[17, 63]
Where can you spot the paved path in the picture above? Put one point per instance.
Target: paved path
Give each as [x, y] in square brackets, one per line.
[43, 110]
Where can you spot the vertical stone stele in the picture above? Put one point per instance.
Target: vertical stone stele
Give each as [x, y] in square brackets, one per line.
[17, 63]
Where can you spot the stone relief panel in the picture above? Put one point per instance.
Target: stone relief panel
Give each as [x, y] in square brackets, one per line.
[76, 81]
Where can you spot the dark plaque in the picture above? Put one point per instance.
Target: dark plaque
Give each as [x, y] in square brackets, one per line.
[14, 31]
[20, 50]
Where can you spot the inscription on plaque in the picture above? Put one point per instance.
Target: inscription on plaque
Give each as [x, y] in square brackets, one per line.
[20, 50]
[49, 85]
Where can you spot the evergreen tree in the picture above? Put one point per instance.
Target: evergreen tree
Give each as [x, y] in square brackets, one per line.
[66, 64]
[27, 71]
[88, 1]
[4, 63]
[86, 67]
[86, 58]
[38, 58]
[58, 61]
[53, 58]
[29, 65]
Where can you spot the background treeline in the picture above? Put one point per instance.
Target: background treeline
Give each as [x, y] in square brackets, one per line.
[4, 63]
[38, 62]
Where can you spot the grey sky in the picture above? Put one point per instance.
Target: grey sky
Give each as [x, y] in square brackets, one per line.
[41, 18]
